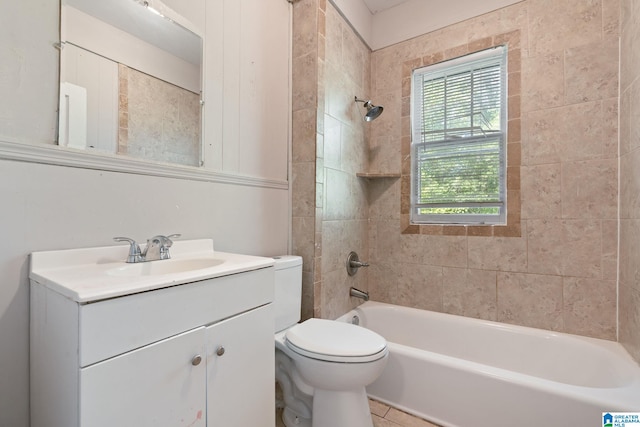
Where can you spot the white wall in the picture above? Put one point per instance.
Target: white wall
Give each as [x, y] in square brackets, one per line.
[46, 207]
[411, 18]
[247, 66]
[417, 17]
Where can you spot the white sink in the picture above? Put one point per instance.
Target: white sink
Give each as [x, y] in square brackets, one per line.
[170, 266]
[93, 274]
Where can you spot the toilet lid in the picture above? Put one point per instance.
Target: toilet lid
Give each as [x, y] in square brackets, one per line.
[335, 341]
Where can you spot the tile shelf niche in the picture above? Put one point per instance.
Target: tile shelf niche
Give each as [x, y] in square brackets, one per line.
[377, 175]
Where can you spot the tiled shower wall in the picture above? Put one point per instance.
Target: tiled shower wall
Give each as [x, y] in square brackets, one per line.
[560, 273]
[305, 132]
[330, 210]
[347, 73]
[629, 279]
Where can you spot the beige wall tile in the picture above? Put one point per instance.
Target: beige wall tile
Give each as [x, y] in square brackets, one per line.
[542, 191]
[304, 135]
[333, 37]
[447, 251]
[630, 319]
[419, 286]
[384, 198]
[530, 300]
[500, 21]
[591, 71]
[611, 18]
[305, 34]
[383, 283]
[389, 123]
[555, 25]
[625, 122]
[332, 142]
[303, 189]
[542, 93]
[545, 246]
[630, 185]
[572, 132]
[354, 149]
[590, 189]
[470, 293]
[498, 253]
[630, 252]
[585, 235]
[629, 45]
[610, 249]
[303, 244]
[589, 307]
[384, 154]
[565, 247]
[634, 115]
[610, 127]
[304, 82]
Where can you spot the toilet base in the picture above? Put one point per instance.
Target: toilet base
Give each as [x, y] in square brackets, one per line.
[290, 419]
[341, 408]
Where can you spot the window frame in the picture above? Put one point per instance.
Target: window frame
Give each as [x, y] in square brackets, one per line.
[495, 55]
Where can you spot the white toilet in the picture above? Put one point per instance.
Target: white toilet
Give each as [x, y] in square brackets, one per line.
[322, 365]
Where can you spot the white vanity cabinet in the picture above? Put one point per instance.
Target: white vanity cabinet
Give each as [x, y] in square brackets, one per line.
[155, 385]
[193, 354]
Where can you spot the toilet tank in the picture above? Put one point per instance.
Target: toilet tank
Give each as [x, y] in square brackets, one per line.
[287, 299]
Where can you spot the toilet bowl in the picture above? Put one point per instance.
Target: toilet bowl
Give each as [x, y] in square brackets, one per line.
[323, 366]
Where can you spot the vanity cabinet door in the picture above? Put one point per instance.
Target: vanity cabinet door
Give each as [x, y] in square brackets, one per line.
[240, 370]
[161, 384]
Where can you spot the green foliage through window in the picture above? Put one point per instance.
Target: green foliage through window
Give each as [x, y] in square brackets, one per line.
[458, 140]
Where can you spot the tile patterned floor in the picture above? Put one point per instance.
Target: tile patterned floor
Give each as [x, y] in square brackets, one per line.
[383, 416]
[386, 416]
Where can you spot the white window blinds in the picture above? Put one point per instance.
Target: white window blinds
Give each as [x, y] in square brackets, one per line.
[459, 140]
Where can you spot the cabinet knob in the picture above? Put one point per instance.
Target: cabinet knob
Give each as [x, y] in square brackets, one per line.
[196, 360]
[220, 351]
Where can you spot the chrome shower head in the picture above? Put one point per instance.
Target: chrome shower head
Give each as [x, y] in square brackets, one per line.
[373, 111]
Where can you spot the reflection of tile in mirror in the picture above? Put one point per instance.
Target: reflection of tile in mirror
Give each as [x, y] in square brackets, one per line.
[158, 121]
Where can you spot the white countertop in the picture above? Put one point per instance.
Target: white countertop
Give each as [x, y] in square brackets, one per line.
[91, 274]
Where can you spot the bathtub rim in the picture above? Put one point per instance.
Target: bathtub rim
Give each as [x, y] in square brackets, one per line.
[616, 397]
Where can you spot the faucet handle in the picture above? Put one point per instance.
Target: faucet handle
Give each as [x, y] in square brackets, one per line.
[134, 248]
[160, 245]
[172, 236]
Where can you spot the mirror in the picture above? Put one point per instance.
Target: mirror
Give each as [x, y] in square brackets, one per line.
[130, 80]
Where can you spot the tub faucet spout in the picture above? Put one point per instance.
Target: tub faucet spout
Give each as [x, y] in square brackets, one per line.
[359, 294]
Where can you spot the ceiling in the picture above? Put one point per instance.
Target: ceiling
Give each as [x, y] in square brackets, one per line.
[380, 5]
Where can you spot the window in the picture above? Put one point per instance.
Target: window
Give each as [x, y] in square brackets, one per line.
[458, 148]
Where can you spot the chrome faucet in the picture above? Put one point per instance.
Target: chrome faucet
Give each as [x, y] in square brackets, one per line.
[157, 248]
[358, 293]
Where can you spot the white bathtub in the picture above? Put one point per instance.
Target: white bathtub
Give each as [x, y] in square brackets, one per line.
[458, 371]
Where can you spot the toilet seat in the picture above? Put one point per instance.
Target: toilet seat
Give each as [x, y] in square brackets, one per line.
[334, 341]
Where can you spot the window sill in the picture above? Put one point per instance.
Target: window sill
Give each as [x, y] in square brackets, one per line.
[513, 229]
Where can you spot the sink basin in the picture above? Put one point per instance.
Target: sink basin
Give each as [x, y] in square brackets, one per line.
[170, 266]
[87, 275]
